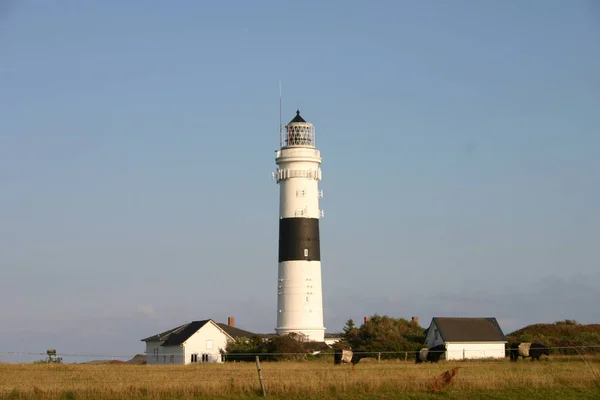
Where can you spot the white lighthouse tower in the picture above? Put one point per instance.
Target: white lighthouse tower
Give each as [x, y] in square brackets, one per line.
[299, 292]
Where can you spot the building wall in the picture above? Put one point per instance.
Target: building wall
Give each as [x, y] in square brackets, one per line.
[298, 176]
[433, 336]
[208, 341]
[300, 299]
[475, 350]
[466, 350]
[157, 354]
[152, 356]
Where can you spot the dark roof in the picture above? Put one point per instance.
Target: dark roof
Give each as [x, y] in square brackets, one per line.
[297, 118]
[177, 336]
[163, 335]
[236, 332]
[469, 329]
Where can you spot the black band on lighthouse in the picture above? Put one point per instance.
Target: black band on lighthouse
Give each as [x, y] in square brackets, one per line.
[299, 239]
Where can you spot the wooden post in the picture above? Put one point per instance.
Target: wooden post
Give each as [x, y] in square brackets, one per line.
[378, 357]
[406, 356]
[262, 386]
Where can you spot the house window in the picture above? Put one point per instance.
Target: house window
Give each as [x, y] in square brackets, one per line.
[155, 352]
[204, 357]
[436, 334]
[194, 358]
[209, 344]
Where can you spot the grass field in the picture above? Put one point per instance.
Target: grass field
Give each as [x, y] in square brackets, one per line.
[555, 378]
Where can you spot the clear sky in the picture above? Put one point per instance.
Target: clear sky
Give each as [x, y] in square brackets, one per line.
[460, 145]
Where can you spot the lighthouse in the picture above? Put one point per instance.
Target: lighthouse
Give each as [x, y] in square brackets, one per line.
[299, 289]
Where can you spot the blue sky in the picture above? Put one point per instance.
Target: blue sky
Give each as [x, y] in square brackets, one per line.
[460, 161]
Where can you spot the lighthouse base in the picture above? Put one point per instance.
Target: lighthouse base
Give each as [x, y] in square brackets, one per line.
[300, 301]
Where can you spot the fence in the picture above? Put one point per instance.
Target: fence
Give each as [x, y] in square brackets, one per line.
[317, 376]
[68, 358]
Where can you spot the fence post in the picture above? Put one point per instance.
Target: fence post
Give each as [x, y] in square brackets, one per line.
[406, 356]
[378, 357]
[262, 386]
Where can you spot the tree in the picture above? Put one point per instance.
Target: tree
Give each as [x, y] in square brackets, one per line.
[292, 346]
[566, 322]
[350, 331]
[383, 334]
[287, 347]
[243, 349]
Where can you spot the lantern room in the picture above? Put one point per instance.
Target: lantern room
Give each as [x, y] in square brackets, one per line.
[298, 132]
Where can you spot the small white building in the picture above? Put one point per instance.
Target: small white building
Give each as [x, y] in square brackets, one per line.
[332, 338]
[194, 342]
[467, 338]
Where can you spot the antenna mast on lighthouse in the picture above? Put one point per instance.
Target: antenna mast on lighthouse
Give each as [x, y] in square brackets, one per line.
[280, 125]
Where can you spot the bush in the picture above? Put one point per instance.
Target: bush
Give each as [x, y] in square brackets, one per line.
[285, 347]
[391, 337]
[567, 337]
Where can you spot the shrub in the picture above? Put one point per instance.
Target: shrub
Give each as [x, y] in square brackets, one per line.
[391, 337]
[285, 347]
[567, 336]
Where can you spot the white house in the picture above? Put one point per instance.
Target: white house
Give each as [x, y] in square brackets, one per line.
[332, 338]
[467, 338]
[194, 342]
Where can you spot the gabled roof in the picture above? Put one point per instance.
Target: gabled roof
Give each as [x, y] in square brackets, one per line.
[160, 337]
[469, 329]
[236, 332]
[177, 336]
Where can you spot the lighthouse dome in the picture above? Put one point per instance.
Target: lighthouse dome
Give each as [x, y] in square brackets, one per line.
[297, 118]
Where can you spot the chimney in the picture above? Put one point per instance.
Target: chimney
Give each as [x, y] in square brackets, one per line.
[230, 321]
[415, 320]
[367, 319]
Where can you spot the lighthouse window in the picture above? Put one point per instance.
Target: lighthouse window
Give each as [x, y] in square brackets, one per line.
[305, 252]
[307, 299]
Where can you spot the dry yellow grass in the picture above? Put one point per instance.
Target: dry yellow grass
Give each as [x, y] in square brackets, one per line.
[234, 380]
